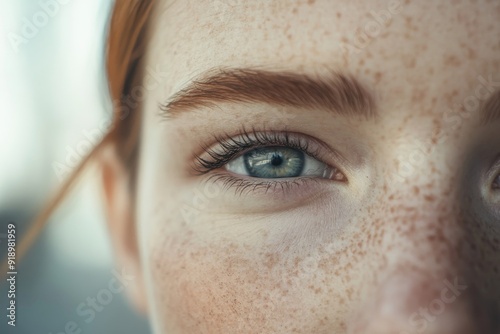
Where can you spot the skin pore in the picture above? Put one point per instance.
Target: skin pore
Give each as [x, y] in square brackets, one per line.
[403, 233]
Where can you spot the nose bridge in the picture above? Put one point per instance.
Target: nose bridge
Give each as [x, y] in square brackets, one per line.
[421, 204]
[424, 286]
[422, 222]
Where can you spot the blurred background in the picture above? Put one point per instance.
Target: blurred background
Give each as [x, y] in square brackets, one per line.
[55, 107]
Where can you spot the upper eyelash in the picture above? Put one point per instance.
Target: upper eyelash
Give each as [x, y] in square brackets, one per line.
[230, 146]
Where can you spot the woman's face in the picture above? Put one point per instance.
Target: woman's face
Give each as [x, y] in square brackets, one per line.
[323, 166]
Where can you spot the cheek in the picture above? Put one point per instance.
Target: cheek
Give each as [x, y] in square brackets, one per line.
[284, 274]
[237, 281]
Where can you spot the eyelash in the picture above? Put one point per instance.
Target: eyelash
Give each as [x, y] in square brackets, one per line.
[230, 147]
[241, 185]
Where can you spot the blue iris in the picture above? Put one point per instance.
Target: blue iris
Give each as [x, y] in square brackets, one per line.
[274, 162]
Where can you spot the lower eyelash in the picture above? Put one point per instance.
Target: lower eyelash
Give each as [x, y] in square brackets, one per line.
[242, 186]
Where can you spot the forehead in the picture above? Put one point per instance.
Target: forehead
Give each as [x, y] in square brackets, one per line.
[408, 52]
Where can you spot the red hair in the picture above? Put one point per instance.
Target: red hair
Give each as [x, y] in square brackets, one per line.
[125, 50]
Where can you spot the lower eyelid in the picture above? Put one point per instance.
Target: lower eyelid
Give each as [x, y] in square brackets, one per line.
[242, 185]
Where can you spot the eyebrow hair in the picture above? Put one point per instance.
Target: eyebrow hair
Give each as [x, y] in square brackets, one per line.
[491, 108]
[336, 92]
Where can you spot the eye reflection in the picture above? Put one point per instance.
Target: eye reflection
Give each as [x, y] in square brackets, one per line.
[278, 162]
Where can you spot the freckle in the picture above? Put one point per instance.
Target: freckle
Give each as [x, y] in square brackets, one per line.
[452, 60]
[471, 54]
[408, 22]
[416, 190]
[339, 15]
[430, 198]
[271, 260]
[294, 10]
[378, 77]
[311, 2]
[349, 293]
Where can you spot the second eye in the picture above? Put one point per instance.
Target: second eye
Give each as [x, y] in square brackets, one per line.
[278, 162]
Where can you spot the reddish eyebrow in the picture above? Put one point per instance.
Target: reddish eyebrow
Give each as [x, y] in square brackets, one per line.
[491, 109]
[335, 92]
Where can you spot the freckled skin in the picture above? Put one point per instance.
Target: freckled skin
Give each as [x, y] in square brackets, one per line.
[364, 261]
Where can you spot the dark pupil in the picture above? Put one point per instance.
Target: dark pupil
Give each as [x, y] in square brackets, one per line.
[276, 160]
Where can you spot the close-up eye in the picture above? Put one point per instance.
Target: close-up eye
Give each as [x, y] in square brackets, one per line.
[269, 156]
[279, 162]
